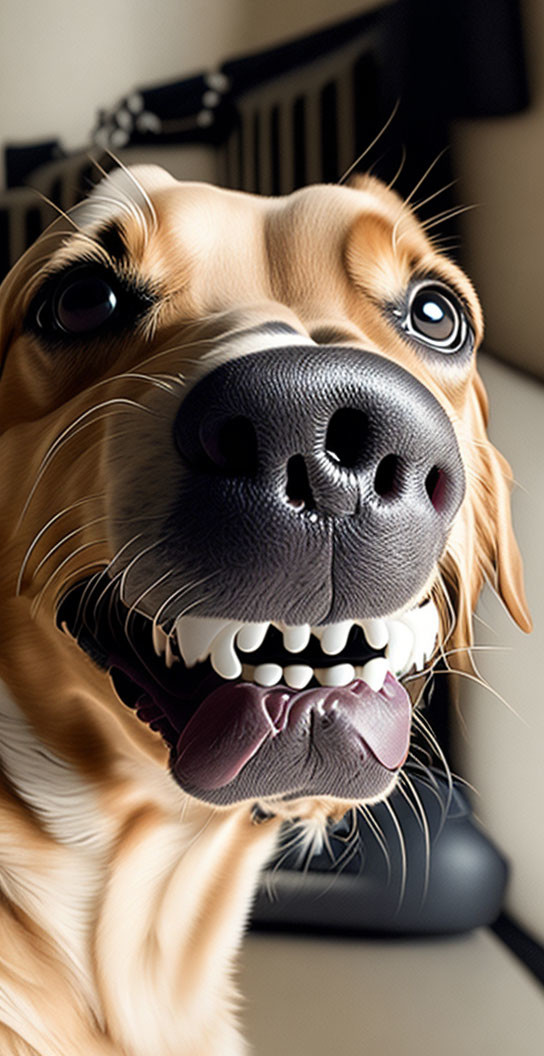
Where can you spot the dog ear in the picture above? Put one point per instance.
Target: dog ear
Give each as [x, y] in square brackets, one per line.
[497, 539]
[507, 559]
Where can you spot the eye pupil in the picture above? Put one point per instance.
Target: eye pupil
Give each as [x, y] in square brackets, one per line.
[84, 303]
[436, 318]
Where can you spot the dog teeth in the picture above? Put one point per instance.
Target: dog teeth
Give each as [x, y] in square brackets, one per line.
[251, 636]
[374, 672]
[339, 675]
[297, 676]
[169, 657]
[296, 637]
[412, 638]
[159, 638]
[334, 637]
[267, 674]
[400, 645]
[224, 658]
[195, 635]
[408, 638]
[376, 633]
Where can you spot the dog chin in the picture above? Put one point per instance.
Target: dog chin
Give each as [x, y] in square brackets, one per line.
[261, 711]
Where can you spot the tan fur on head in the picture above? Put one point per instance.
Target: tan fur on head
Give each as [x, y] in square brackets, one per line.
[123, 898]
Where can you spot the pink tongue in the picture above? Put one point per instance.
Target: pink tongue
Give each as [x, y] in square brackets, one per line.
[233, 722]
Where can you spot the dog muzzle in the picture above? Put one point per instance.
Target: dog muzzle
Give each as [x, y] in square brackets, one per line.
[318, 488]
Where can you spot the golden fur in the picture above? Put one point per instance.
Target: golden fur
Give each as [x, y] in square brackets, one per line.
[123, 900]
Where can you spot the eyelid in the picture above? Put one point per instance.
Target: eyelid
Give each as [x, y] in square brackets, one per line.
[135, 295]
[462, 334]
[448, 285]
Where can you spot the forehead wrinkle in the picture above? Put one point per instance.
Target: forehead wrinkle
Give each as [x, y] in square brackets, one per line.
[305, 236]
[210, 244]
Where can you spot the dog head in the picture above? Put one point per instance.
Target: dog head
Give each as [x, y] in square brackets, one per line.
[246, 471]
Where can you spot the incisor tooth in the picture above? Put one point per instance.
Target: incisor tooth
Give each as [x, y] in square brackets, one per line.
[375, 632]
[374, 672]
[334, 636]
[339, 675]
[296, 637]
[195, 635]
[298, 675]
[267, 674]
[251, 636]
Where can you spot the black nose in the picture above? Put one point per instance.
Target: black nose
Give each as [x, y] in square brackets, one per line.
[334, 436]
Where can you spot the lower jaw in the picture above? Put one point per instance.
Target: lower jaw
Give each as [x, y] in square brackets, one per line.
[287, 743]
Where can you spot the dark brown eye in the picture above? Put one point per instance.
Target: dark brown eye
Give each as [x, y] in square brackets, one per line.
[84, 302]
[435, 317]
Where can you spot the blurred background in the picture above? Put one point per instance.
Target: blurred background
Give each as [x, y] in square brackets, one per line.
[447, 98]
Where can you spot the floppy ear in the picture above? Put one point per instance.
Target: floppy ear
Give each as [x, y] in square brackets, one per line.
[495, 518]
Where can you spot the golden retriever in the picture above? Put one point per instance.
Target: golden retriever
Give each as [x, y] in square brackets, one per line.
[246, 489]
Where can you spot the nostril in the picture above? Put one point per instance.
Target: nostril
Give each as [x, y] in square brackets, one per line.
[231, 444]
[436, 487]
[346, 438]
[299, 492]
[387, 479]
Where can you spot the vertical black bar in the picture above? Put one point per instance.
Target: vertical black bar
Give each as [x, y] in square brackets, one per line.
[329, 134]
[299, 141]
[257, 151]
[275, 149]
[33, 225]
[366, 102]
[5, 256]
[240, 184]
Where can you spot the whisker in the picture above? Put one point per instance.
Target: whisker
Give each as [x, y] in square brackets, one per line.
[52, 520]
[424, 827]
[403, 858]
[392, 182]
[39, 597]
[68, 433]
[69, 535]
[403, 209]
[367, 149]
[377, 832]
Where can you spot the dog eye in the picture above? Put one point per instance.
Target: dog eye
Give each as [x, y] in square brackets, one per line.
[435, 317]
[83, 302]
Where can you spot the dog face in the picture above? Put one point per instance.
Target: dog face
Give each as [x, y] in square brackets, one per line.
[246, 472]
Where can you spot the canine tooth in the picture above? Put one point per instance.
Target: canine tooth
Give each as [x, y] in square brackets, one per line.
[267, 674]
[296, 637]
[195, 635]
[298, 675]
[169, 657]
[335, 636]
[159, 639]
[432, 629]
[375, 633]
[339, 675]
[251, 636]
[224, 658]
[399, 647]
[423, 623]
[374, 672]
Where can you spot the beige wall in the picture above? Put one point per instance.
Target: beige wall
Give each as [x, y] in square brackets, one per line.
[501, 164]
[60, 60]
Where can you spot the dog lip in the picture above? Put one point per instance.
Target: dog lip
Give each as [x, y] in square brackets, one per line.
[233, 723]
[234, 738]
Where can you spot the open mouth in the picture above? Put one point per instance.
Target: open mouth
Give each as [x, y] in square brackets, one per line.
[261, 709]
